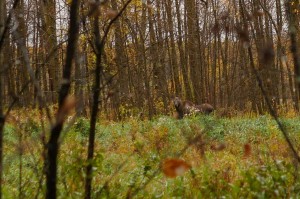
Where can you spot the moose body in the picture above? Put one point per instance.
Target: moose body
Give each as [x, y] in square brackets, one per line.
[205, 108]
[187, 107]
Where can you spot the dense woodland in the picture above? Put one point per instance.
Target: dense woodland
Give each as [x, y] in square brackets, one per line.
[121, 59]
[198, 50]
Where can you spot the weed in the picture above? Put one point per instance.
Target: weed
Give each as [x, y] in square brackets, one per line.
[129, 156]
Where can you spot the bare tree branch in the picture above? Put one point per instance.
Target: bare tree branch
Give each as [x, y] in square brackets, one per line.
[7, 23]
[272, 111]
[99, 50]
[53, 147]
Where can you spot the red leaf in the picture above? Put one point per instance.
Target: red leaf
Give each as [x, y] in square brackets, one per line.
[247, 150]
[174, 167]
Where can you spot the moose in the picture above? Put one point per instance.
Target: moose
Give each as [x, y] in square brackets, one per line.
[187, 107]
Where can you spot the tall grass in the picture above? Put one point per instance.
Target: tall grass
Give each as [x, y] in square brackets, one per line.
[129, 156]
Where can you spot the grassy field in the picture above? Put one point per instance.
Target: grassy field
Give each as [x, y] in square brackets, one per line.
[239, 157]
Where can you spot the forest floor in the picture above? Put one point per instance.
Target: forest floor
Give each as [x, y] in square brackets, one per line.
[196, 157]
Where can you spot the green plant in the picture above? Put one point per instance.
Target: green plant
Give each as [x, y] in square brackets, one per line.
[82, 126]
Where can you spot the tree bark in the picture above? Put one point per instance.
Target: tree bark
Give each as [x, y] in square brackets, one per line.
[48, 16]
[182, 54]
[2, 118]
[293, 22]
[53, 146]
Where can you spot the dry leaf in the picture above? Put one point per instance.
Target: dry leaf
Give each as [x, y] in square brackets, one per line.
[247, 150]
[110, 13]
[68, 104]
[218, 147]
[12, 119]
[174, 167]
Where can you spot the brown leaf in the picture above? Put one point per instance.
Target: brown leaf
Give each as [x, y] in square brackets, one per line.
[174, 167]
[226, 174]
[110, 13]
[247, 150]
[68, 104]
[11, 119]
[218, 147]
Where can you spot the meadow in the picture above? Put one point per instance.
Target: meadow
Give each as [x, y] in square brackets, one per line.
[236, 157]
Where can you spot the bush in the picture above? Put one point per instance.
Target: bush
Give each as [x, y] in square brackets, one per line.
[82, 126]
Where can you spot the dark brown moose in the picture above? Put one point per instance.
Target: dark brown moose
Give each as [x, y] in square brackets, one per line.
[187, 107]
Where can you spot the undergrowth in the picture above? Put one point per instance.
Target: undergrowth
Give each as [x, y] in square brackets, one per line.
[243, 157]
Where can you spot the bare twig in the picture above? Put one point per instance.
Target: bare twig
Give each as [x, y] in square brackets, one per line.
[7, 23]
[106, 183]
[99, 44]
[192, 142]
[51, 170]
[21, 43]
[272, 111]
[2, 117]
[291, 6]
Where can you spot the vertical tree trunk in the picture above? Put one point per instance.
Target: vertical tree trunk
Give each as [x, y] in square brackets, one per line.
[173, 58]
[80, 83]
[152, 67]
[134, 70]
[53, 146]
[94, 111]
[99, 50]
[182, 53]
[48, 16]
[281, 53]
[122, 90]
[146, 71]
[23, 76]
[293, 22]
[161, 91]
[2, 118]
[192, 44]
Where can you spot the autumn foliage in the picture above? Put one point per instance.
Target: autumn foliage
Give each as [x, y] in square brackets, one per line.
[174, 167]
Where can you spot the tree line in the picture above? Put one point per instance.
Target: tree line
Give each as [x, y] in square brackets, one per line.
[157, 50]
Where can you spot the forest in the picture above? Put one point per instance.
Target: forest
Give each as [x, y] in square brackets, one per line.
[149, 99]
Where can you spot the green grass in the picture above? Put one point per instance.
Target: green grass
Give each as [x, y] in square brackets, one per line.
[128, 159]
